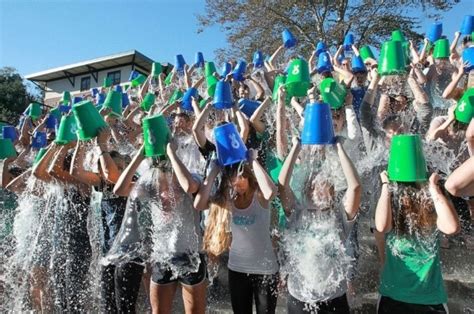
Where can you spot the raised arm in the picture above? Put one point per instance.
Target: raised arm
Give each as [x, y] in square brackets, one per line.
[6, 176]
[77, 167]
[451, 91]
[255, 119]
[199, 124]
[267, 188]
[56, 168]
[461, 182]
[281, 125]
[201, 201]
[40, 171]
[124, 184]
[383, 212]
[447, 221]
[275, 55]
[354, 187]
[436, 132]
[109, 168]
[19, 184]
[287, 196]
[189, 184]
[258, 88]
[242, 122]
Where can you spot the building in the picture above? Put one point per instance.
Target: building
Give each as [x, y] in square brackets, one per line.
[79, 78]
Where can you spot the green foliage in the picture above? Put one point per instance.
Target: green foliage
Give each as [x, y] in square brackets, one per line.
[14, 96]
[257, 24]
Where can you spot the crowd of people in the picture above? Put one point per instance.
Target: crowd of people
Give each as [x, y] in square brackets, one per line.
[153, 196]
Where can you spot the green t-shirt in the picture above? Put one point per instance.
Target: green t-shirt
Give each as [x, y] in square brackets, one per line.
[412, 271]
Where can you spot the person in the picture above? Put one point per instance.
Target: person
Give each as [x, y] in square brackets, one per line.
[315, 207]
[411, 280]
[241, 202]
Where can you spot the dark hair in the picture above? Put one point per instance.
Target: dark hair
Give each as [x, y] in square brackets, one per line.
[68, 161]
[183, 115]
[16, 171]
[466, 40]
[391, 119]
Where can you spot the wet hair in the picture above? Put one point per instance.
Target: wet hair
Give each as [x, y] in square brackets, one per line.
[414, 209]
[68, 161]
[16, 171]
[391, 119]
[183, 115]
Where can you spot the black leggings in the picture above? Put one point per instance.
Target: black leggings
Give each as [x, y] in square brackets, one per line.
[246, 287]
[120, 287]
[391, 306]
[337, 305]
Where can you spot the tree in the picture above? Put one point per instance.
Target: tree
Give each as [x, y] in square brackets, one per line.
[14, 95]
[257, 24]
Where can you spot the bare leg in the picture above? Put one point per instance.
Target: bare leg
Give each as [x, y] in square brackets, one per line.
[194, 298]
[161, 297]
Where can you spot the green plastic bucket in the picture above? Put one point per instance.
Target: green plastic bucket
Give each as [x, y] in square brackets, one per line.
[406, 162]
[176, 96]
[56, 112]
[168, 79]
[464, 111]
[107, 82]
[114, 102]
[441, 49]
[209, 69]
[297, 80]
[66, 98]
[211, 82]
[34, 110]
[7, 149]
[397, 35]
[156, 69]
[147, 102]
[139, 80]
[67, 130]
[392, 59]
[88, 120]
[40, 155]
[333, 93]
[365, 53]
[155, 135]
[273, 166]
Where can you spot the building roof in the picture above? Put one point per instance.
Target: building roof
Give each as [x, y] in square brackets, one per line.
[94, 65]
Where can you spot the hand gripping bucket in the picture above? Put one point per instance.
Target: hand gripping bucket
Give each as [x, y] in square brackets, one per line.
[392, 59]
[320, 47]
[348, 42]
[7, 149]
[67, 130]
[179, 63]
[333, 93]
[324, 63]
[114, 102]
[317, 127]
[358, 65]
[279, 80]
[156, 69]
[441, 49]
[9, 132]
[365, 53]
[464, 111]
[139, 80]
[467, 26]
[239, 71]
[147, 102]
[297, 80]
[199, 60]
[209, 68]
[230, 147]
[88, 120]
[435, 31]
[223, 96]
[187, 99]
[288, 39]
[406, 162]
[155, 135]
[468, 56]
[258, 59]
[39, 140]
[248, 106]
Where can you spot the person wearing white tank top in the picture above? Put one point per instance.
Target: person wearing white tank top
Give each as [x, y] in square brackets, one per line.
[242, 201]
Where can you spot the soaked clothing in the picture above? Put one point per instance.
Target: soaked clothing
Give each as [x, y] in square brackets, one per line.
[317, 262]
[162, 273]
[251, 250]
[337, 305]
[387, 305]
[412, 270]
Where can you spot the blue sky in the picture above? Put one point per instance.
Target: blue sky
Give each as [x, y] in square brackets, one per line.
[36, 35]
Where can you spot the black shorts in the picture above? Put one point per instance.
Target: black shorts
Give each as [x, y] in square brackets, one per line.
[162, 274]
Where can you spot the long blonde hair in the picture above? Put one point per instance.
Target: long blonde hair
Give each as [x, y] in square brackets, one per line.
[217, 236]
